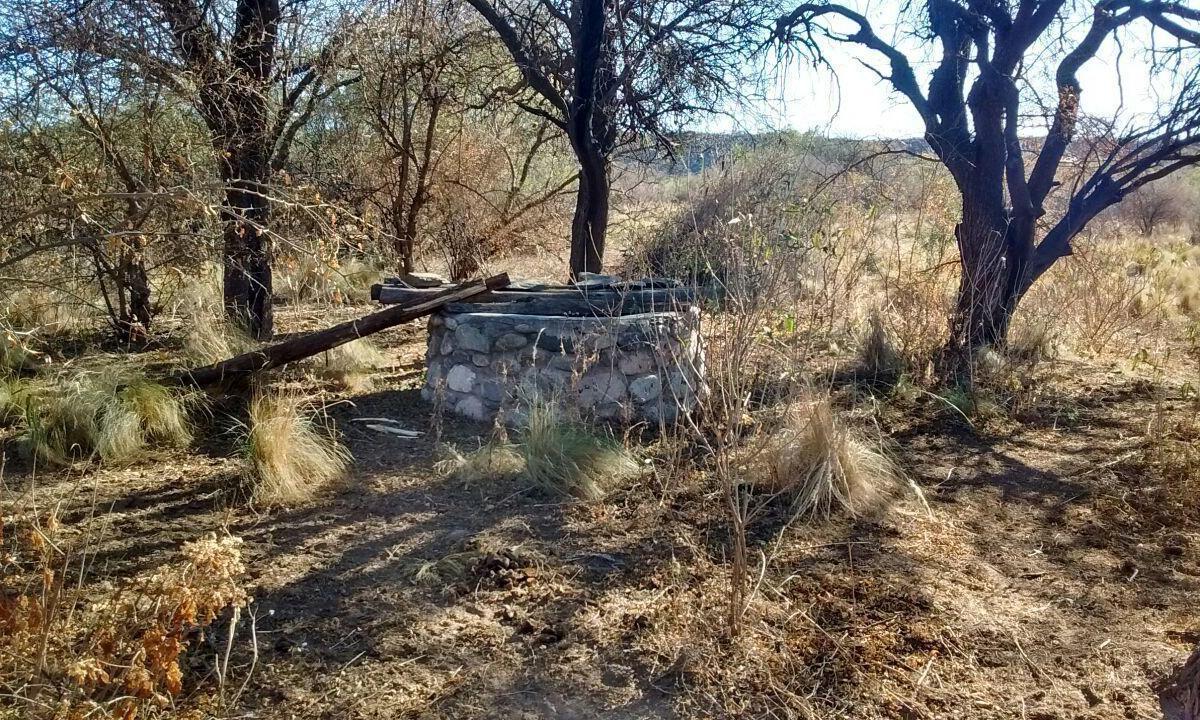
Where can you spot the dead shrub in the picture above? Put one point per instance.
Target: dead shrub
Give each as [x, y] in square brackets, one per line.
[878, 358]
[823, 465]
[289, 455]
[496, 459]
[116, 650]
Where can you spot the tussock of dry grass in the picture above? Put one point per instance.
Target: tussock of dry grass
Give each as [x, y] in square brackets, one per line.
[290, 457]
[568, 459]
[824, 465]
[211, 338]
[878, 358]
[311, 278]
[115, 416]
[495, 460]
[351, 365]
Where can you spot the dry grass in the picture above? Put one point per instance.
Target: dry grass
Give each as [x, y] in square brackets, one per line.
[115, 416]
[878, 358]
[823, 465]
[290, 456]
[17, 354]
[211, 337]
[352, 365]
[496, 459]
[564, 458]
[311, 278]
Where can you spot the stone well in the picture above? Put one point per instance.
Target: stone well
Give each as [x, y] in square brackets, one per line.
[647, 366]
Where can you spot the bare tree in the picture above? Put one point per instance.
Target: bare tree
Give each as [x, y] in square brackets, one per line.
[1164, 202]
[254, 70]
[607, 73]
[983, 88]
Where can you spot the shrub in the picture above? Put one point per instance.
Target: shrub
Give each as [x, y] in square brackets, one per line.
[878, 358]
[115, 651]
[289, 456]
[569, 459]
[823, 465]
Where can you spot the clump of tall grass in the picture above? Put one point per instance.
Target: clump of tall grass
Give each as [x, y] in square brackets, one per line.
[496, 459]
[17, 354]
[211, 337]
[565, 458]
[115, 416]
[878, 358]
[352, 364]
[824, 465]
[289, 455]
[311, 278]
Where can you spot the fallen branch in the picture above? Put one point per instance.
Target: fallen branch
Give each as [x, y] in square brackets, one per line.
[308, 345]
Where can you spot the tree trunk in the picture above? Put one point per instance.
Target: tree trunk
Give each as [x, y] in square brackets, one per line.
[589, 226]
[996, 249]
[247, 252]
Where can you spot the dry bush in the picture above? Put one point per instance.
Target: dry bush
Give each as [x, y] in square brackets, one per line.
[42, 310]
[115, 416]
[823, 465]
[566, 458]
[69, 649]
[289, 455]
[321, 276]
[351, 365]
[1103, 297]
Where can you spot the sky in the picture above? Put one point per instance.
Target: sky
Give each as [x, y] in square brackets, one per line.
[858, 104]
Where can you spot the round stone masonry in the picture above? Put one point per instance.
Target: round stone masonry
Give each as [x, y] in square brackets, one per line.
[646, 367]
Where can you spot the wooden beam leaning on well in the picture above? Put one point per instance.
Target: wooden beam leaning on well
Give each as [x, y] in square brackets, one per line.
[310, 344]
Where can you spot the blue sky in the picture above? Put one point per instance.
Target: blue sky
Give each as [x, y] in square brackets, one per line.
[858, 104]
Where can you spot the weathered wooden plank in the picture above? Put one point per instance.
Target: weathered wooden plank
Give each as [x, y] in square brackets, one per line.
[313, 343]
[592, 305]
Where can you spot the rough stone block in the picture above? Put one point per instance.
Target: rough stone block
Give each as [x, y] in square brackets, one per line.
[637, 362]
[511, 341]
[601, 386]
[470, 337]
[646, 388]
[460, 379]
[472, 407]
[481, 360]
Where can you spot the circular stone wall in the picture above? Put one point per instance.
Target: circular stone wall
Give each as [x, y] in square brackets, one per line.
[630, 368]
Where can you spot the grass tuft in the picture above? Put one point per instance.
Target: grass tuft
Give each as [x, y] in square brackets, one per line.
[494, 461]
[564, 458]
[878, 358]
[824, 465]
[352, 365]
[289, 455]
[115, 416]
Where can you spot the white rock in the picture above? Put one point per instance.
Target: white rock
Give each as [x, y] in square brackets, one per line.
[472, 407]
[460, 379]
[646, 388]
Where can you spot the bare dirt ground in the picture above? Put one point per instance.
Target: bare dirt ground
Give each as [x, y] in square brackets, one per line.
[1048, 580]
